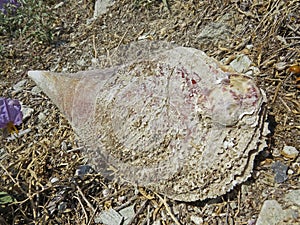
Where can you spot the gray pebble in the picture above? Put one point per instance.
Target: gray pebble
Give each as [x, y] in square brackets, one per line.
[280, 171]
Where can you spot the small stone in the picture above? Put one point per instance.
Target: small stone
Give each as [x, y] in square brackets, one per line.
[214, 31]
[271, 213]
[251, 221]
[280, 171]
[95, 62]
[128, 214]
[289, 152]
[62, 206]
[290, 172]
[281, 39]
[27, 112]
[157, 222]
[280, 66]
[19, 86]
[253, 70]
[83, 170]
[109, 217]
[249, 73]
[42, 117]
[241, 64]
[101, 7]
[54, 180]
[233, 205]
[81, 62]
[36, 90]
[2, 152]
[293, 196]
[64, 146]
[121, 199]
[250, 46]
[196, 219]
[106, 192]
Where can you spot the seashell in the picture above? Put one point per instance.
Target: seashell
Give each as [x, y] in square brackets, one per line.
[165, 117]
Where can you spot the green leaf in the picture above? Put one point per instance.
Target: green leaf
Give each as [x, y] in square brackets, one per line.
[5, 198]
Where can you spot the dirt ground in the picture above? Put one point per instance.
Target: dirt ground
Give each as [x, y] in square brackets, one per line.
[38, 169]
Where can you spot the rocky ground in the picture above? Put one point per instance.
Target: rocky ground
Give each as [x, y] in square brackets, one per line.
[40, 170]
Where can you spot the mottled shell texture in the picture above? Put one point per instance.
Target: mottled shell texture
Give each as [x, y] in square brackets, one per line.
[165, 117]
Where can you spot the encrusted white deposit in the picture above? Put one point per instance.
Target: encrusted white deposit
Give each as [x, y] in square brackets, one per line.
[166, 117]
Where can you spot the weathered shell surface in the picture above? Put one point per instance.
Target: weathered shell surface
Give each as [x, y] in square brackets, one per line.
[165, 117]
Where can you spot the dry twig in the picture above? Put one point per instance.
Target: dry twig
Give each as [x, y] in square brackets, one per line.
[168, 209]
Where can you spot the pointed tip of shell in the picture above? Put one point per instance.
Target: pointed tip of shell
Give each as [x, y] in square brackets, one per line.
[42, 79]
[54, 86]
[37, 75]
[45, 80]
[71, 93]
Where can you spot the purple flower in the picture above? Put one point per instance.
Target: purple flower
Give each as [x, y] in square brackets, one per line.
[10, 114]
[8, 3]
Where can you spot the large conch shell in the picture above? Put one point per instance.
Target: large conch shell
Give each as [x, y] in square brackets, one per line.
[166, 117]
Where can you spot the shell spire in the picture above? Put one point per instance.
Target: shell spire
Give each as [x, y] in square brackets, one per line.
[68, 91]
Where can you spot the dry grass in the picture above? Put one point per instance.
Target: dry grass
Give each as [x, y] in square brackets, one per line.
[61, 39]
